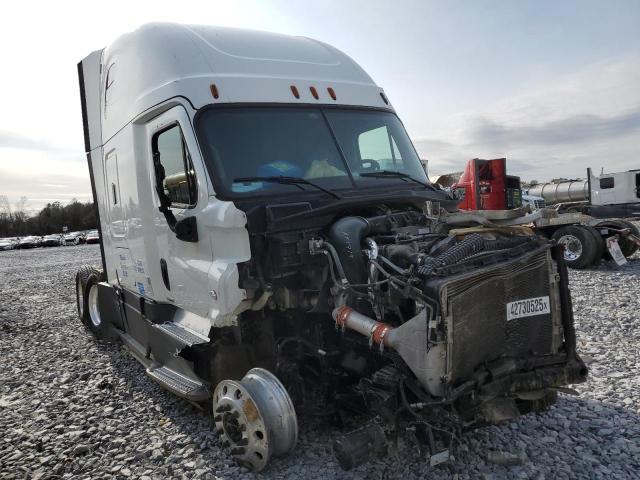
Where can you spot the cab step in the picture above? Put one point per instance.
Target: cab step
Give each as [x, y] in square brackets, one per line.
[179, 383]
[188, 337]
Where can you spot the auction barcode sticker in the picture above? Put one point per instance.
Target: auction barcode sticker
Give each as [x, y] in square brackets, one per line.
[528, 308]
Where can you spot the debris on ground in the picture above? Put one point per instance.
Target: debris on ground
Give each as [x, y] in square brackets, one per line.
[74, 408]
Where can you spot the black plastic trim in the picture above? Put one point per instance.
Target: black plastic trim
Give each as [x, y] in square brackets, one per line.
[83, 102]
[152, 311]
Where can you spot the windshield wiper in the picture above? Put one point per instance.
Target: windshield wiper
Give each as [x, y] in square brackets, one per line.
[297, 181]
[393, 173]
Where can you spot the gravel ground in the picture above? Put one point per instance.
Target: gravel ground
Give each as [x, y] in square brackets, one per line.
[73, 408]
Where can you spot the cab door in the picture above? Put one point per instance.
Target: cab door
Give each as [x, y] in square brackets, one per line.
[181, 190]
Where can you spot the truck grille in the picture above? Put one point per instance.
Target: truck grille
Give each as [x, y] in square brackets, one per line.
[477, 305]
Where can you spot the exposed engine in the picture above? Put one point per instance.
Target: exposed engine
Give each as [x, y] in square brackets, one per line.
[419, 321]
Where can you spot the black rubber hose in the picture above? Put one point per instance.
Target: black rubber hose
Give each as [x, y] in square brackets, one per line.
[401, 255]
[471, 245]
[346, 237]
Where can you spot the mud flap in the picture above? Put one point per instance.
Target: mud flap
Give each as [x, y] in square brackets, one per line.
[614, 250]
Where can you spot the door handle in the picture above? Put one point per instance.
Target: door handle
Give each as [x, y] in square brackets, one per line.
[165, 273]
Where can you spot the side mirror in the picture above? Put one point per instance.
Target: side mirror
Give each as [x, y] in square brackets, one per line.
[187, 230]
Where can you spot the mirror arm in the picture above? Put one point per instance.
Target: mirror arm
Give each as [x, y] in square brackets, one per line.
[165, 201]
[185, 229]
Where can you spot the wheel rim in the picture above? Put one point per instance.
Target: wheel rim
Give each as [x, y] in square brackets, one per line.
[255, 418]
[94, 311]
[572, 247]
[79, 299]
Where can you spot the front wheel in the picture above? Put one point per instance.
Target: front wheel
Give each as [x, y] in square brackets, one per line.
[255, 418]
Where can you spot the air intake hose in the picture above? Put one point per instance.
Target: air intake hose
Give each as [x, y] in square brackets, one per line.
[346, 237]
[471, 244]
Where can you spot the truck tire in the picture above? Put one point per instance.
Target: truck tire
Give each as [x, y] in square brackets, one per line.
[580, 247]
[87, 279]
[601, 247]
[627, 246]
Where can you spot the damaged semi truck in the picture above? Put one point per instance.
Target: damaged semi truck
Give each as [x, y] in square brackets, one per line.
[272, 247]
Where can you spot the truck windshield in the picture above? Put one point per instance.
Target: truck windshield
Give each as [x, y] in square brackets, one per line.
[333, 148]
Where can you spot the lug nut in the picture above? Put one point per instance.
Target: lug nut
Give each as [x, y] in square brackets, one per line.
[217, 418]
[244, 441]
[238, 450]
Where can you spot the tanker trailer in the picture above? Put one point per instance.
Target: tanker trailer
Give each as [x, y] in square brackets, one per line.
[605, 196]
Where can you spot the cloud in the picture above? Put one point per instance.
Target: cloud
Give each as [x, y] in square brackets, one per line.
[9, 139]
[560, 127]
[42, 177]
[573, 129]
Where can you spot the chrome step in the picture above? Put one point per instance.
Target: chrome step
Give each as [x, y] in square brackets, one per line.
[182, 334]
[178, 383]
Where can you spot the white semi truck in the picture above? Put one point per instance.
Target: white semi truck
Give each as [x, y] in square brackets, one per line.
[272, 247]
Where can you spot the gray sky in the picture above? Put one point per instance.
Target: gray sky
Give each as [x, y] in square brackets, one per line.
[553, 86]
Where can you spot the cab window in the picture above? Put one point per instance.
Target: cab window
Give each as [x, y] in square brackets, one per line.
[377, 147]
[176, 173]
[606, 182]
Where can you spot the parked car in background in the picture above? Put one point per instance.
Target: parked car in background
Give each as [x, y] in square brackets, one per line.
[73, 238]
[54, 240]
[8, 243]
[30, 242]
[93, 237]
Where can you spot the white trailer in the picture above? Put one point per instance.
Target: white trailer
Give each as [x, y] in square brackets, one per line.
[255, 191]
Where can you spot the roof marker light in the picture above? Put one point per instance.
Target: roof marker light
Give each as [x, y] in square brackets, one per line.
[384, 97]
[295, 92]
[214, 91]
[331, 93]
[314, 92]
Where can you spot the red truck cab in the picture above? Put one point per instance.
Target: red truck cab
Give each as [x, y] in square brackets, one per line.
[487, 186]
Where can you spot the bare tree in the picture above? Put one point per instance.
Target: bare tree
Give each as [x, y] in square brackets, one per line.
[20, 216]
[5, 206]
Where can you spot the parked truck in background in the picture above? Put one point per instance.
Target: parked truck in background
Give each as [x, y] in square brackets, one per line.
[485, 185]
[271, 246]
[609, 195]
